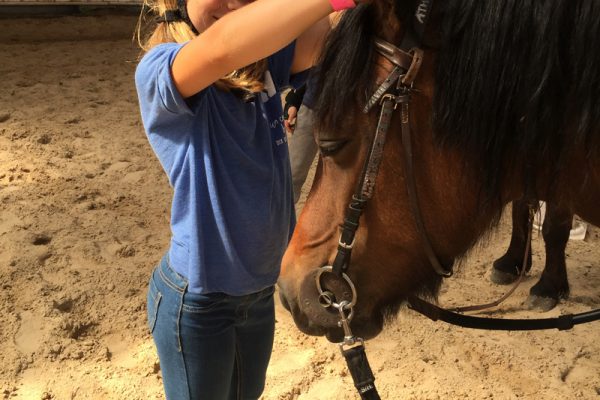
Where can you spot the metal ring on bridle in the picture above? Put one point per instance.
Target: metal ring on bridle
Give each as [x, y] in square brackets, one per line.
[325, 295]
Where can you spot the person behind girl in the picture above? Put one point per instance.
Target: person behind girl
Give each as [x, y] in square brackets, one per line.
[209, 90]
[298, 120]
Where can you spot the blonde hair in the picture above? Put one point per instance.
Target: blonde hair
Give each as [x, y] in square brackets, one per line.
[246, 80]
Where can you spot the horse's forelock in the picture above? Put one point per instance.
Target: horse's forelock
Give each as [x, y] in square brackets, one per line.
[344, 68]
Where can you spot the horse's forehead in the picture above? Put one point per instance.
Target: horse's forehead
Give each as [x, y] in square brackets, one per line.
[348, 128]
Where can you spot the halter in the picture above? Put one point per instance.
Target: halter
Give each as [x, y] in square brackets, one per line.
[393, 93]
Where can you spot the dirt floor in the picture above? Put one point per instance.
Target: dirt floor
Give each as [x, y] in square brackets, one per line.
[84, 217]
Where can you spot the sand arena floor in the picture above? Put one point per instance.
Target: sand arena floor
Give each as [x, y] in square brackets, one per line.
[84, 217]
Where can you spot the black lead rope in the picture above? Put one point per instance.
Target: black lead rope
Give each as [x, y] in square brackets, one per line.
[359, 367]
[562, 323]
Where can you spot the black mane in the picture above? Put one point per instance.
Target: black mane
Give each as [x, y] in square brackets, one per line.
[515, 79]
[518, 80]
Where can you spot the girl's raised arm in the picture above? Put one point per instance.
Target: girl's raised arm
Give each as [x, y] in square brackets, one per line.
[243, 36]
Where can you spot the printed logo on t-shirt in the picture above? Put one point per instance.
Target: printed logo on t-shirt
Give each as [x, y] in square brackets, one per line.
[276, 124]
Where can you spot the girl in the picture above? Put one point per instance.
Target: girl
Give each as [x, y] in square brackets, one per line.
[208, 88]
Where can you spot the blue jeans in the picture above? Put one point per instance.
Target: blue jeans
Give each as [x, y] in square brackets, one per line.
[210, 346]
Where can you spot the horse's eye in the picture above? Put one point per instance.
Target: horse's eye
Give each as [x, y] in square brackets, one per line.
[330, 147]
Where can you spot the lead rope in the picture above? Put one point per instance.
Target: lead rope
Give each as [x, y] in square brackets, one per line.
[352, 347]
[353, 350]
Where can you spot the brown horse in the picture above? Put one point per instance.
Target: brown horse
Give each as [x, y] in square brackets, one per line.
[505, 106]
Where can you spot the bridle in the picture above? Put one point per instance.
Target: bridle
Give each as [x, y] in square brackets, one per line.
[392, 94]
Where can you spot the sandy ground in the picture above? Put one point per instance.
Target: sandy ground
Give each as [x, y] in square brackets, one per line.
[84, 217]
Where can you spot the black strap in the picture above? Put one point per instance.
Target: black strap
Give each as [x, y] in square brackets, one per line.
[293, 99]
[391, 79]
[364, 190]
[363, 378]
[562, 323]
[349, 227]
[371, 168]
[366, 186]
[177, 15]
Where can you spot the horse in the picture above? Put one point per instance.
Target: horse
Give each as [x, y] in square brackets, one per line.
[505, 106]
[553, 284]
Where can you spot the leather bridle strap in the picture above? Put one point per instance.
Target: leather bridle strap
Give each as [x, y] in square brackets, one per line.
[506, 295]
[406, 62]
[383, 88]
[389, 102]
[412, 193]
[365, 189]
[410, 62]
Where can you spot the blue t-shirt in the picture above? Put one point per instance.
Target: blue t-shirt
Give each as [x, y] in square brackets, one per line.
[227, 160]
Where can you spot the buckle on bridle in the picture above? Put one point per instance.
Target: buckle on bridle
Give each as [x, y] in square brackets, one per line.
[346, 246]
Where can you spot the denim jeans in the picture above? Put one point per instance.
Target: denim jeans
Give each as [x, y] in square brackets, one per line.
[210, 346]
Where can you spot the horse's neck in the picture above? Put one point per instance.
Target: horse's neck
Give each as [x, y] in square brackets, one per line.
[575, 185]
